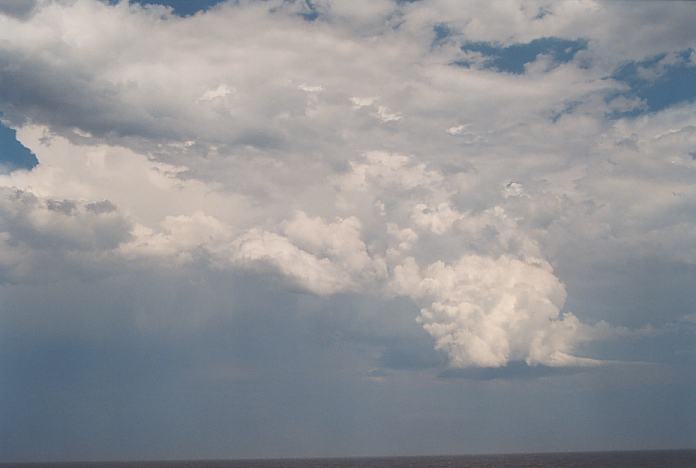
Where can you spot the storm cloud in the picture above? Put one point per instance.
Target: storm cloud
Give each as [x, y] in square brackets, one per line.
[382, 189]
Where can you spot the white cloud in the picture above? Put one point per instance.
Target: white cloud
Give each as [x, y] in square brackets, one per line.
[220, 92]
[487, 311]
[388, 170]
[315, 274]
[386, 115]
[360, 102]
[310, 88]
[438, 219]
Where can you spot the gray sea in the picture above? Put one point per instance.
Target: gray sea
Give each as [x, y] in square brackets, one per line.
[643, 459]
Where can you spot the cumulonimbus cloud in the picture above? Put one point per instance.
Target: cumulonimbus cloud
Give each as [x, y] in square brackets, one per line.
[351, 154]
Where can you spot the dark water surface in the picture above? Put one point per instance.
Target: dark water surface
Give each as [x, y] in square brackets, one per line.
[647, 459]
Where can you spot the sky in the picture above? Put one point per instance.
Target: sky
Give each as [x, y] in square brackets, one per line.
[320, 228]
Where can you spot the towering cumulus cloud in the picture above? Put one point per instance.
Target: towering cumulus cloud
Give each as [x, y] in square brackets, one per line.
[492, 299]
[471, 158]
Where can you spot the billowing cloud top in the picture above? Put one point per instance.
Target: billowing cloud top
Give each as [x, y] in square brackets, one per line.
[470, 158]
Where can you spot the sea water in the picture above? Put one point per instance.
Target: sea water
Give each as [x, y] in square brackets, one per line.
[642, 459]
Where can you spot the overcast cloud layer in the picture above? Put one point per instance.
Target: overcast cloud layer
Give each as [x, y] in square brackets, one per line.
[368, 192]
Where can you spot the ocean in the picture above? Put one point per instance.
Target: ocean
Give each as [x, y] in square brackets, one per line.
[641, 459]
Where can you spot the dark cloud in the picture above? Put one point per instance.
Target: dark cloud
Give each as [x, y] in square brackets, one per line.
[19, 9]
[59, 224]
[513, 371]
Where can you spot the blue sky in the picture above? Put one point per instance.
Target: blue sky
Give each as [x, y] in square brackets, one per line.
[512, 58]
[14, 155]
[181, 7]
[324, 228]
[661, 81]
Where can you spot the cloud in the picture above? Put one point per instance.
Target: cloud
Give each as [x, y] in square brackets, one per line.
[66, 223]
[351, 155]
[20, 10]
[216, 93]
[486, 312]
[322, 257]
